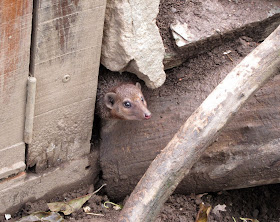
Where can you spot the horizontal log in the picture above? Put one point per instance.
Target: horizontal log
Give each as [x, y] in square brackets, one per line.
[234, 167]
[197, 133]
[128, 148]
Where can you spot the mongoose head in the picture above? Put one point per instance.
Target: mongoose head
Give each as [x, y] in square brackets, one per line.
[127, 102]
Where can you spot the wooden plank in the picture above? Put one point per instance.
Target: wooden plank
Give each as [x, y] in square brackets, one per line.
[18, 190]
[67, 46]
[15, 35]
[12, 160]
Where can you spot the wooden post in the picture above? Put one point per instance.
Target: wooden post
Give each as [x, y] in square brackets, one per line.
[15, 36]
[176, 160]
[65, 60]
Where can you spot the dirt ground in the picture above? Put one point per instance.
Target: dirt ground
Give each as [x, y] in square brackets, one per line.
[228, 14]
[262, 203]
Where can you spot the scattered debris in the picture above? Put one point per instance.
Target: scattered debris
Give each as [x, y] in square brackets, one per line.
[203, 213]
[94, 214]
[248, 219]
[87, 209]
[115, 206]
[8, 216]
[216, 210]
[65, 207]
[71, 206]
[42, 216]
[227, 54]
[197, 198]
[182, 34]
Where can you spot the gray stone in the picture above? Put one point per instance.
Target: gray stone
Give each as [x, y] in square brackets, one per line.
[132, 42]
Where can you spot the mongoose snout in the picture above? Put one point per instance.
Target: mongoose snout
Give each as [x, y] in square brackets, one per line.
[126, 102]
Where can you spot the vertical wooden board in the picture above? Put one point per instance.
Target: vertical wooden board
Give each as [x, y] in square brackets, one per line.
[15, 37]
[66, 56]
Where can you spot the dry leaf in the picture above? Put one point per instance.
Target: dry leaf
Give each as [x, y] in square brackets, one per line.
[216, 210]
[42, 216]
[202, 215]
[70, 206]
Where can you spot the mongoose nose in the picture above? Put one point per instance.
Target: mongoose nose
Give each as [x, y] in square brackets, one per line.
[148, 115]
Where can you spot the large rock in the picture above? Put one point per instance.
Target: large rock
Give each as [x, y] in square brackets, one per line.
[132, 42]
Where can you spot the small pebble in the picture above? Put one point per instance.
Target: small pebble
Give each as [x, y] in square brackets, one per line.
[8, 216]
[173, 10]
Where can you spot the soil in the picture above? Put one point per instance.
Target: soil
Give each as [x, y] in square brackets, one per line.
[211, 23]
[260, 203]
[227, 14]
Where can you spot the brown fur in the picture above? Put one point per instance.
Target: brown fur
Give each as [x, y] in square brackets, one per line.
[110, 103]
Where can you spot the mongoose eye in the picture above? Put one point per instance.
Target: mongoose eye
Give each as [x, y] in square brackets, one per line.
[111, 100]
[127, 104]
[142, 99]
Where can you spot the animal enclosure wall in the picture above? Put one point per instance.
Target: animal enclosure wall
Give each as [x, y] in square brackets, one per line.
[66, 52]
[15, 36]
[59, 43]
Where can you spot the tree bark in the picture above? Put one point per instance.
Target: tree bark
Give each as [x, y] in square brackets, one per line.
[203, 126]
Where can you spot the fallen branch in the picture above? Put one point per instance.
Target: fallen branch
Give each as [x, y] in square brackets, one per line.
[203, 126]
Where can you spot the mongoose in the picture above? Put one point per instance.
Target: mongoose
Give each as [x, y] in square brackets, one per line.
[121, 101]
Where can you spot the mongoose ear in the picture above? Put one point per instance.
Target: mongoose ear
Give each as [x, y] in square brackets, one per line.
[110, 99]
[138, 85]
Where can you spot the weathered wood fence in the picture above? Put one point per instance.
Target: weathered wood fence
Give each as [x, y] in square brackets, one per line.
[58, 42]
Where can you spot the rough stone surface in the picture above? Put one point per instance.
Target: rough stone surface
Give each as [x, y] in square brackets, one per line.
[132, 42]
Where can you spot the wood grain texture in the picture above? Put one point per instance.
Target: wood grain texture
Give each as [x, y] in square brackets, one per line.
[199, 131]
[15, 36]
[129, 147]
[17, 190]
[66, 55]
